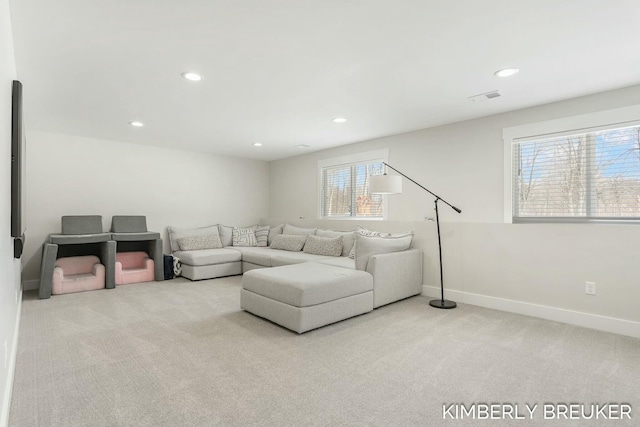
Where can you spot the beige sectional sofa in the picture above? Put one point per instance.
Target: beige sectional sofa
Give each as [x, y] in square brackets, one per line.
[394, 268]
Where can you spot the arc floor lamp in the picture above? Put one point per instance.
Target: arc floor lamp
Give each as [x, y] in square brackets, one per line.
[392, 184]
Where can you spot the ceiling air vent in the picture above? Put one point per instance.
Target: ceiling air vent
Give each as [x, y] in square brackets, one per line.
[485, 96]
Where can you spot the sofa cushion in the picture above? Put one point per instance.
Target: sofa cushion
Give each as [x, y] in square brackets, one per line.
[288, 242]
[308, 284]
[262, 235]
[226, 235]
[208, 256]
[339, 261]
[298, 231]
[195, 243]
[71, 239]
[129, 224]
[364, 232]
[81, 224]
[368, 246]
[176, 233]
[274, 231]
[348, 238]
[135, 237]
[266, 257]
[288, 258]
[257, 255]
[244, 236]
[371, 233]
[328, 246]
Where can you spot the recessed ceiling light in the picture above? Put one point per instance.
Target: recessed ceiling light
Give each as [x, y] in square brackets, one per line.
[301, 146]
[136, 124]
[257, 144]
[506, 72]
[339, 120]
[194, 77]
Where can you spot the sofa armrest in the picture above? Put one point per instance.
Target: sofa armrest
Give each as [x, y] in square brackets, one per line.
[396, 275]
[98, 270]
[59, 273]
[118, 271]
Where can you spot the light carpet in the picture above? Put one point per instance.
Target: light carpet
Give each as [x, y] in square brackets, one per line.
[181, 353]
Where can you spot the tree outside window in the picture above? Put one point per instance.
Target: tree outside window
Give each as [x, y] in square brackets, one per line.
[593, 175]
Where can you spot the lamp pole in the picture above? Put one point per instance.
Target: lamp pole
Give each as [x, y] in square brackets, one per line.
[437, 303]
[441, 303]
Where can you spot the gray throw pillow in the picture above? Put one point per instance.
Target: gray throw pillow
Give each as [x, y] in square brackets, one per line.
[288, 242]
[299, 231]
[262, 235]
[368, 246]
[348, 238]
[176, 233]
[196, 243]
[328, 246]
[244, 236]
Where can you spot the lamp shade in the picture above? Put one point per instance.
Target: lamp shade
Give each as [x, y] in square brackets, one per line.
[385, 184]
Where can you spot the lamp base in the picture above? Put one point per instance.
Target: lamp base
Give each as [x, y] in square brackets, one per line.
[437, 303]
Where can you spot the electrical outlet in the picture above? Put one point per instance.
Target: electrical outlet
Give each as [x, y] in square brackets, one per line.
[590, 288]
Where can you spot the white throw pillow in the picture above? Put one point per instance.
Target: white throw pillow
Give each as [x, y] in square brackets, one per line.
[328, 246]
[298, 231]
[262, 235]
[370, 233]
[226, 235]
[348, 238]
[288, 242]
[368, 246]
[244, 236]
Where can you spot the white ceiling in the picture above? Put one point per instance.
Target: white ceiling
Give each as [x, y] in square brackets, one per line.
[278, 71]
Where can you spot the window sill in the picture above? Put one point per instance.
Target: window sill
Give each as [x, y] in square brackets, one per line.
[561, 220]
[349, 218]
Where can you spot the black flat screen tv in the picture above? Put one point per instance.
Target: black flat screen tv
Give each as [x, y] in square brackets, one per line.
[18, 151]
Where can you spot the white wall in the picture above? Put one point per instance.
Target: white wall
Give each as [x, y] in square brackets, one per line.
[534, 264]
[9, 266]
[69, 175]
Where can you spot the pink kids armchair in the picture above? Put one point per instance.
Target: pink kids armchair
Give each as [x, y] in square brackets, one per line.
[76, 274]
[134, 267]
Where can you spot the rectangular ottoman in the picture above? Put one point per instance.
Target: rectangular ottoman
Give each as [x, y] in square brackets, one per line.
[306, 296]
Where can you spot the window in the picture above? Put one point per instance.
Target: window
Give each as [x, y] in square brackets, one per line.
[344, 187]
[584, 175]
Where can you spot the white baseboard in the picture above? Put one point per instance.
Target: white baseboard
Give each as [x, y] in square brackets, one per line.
[593, 321]
[6, 404]
[31, 285]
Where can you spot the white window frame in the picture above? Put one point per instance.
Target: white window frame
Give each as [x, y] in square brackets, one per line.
[365, 157]
[618, 117]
